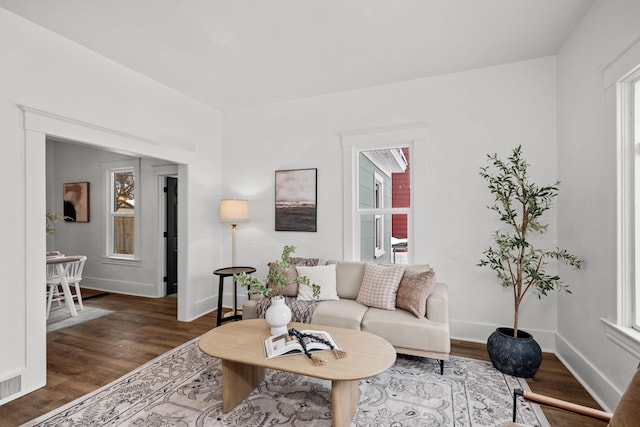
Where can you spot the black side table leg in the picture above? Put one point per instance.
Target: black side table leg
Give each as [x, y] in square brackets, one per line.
[220, 290]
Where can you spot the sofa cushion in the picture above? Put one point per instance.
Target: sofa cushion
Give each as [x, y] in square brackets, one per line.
[403, 329]
[348, 278]
[344, 313]
[380, 285]
[323, 276]
[417, 268]
[413, 291]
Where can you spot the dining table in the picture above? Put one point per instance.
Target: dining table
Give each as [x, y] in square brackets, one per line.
[61, 264]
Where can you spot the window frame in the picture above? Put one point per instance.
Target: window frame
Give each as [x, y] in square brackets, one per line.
[111, 168]
[378, 218]
[628, 94]
[413, 136]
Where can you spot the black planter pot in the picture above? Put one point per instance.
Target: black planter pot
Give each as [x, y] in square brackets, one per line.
[518, 356]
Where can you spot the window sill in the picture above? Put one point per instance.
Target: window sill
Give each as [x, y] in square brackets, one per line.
[132, 262]
[378, 254]
[625, 337]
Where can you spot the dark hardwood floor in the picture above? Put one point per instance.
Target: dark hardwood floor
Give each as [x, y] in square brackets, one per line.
[83, 358]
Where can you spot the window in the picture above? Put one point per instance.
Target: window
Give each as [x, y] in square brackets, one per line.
[629, 136]
[377, 171]
[379, 223]
[123, 212]
[122, 220]
[634, 139]
[387, 144]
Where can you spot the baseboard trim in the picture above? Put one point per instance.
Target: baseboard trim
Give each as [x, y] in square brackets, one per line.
[479, 332]
[120, 287]
[603, 391]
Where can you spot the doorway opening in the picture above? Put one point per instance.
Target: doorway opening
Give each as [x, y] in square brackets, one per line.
[171, 235]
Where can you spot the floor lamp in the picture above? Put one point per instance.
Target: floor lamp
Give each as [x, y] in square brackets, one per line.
[234, 210]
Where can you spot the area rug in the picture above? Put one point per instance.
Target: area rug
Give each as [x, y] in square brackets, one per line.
[183, 388]
[60, 318]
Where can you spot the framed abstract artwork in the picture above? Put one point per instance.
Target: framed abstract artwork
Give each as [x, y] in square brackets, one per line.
[296, 200]
[76, 201]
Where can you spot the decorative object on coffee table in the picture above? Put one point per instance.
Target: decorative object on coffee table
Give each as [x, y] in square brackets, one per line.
[278, 315]
[520, 204]
[278, 278]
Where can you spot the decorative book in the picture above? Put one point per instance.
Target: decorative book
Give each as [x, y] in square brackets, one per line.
[288, 344]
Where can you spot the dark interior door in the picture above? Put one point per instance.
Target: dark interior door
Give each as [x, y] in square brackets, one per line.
[171, 235]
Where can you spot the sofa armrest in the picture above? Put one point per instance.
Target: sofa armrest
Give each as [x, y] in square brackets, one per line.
[438, 304]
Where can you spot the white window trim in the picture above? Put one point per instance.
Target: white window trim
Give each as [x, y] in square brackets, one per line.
[615, 73]
[378, 218]
[109, 168]
[353, 143]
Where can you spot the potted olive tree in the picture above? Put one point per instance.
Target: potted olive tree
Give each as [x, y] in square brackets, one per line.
[520, 205]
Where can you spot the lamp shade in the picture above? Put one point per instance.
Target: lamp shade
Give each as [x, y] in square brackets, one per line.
[234, 210]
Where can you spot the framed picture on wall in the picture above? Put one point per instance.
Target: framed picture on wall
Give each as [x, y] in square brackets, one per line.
[296, 200]
[76, 201]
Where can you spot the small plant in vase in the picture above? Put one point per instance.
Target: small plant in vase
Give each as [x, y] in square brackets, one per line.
[278, 314]
[520, 205]
[52, 218]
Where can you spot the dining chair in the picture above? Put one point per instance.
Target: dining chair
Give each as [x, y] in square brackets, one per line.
[73, 274]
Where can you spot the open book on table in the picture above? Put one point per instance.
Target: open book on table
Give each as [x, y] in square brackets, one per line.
[288, 345]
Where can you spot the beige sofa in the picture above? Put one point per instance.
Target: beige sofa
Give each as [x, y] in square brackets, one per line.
[426, 337]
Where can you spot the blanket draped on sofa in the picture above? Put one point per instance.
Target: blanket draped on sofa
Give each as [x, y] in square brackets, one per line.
[301, 311]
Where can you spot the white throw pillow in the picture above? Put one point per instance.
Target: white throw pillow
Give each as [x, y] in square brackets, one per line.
[323, 276]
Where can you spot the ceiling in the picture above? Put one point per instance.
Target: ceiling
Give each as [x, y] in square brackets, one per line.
[236, 53]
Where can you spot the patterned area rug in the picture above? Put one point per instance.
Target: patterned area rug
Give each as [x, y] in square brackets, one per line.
[183, 388]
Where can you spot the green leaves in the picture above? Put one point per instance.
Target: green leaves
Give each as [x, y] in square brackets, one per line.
[520, 204]
[276, 278]
[52, 218]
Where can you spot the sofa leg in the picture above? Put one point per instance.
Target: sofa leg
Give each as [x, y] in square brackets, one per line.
[441, 366]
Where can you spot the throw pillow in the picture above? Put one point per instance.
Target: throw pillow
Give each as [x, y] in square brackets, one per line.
[380, 285]
[414, 290]
[292, 275]
[323, 276]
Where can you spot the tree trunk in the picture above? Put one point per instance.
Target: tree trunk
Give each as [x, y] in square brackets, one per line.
[515, 319]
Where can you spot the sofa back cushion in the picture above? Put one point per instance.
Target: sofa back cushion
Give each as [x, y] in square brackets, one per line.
[417, 268]
[348, 278]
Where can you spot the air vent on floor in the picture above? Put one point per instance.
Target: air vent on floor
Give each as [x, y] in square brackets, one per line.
[10, 386]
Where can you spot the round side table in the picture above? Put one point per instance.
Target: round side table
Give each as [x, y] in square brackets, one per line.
[229, 272]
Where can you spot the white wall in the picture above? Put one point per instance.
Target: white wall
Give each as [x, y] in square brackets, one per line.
[88, 98]
[587, 207]
[469, 115]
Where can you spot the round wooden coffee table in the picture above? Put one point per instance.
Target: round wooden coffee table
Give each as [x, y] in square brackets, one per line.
[240, 346]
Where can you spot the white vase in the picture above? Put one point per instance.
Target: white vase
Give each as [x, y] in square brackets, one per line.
[278, 315]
